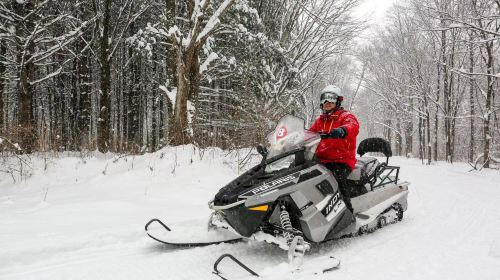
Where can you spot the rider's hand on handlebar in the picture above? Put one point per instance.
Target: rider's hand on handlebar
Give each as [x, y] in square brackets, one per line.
[335, 134]
[339, 132]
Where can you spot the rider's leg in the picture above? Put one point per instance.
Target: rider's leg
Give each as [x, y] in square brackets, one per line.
[341, 171]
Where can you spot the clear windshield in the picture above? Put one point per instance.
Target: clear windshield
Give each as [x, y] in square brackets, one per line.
[288, 135]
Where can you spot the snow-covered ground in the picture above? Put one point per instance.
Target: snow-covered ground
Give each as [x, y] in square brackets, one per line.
[83, 218]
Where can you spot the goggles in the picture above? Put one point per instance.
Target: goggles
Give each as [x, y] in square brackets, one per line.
[328, 97]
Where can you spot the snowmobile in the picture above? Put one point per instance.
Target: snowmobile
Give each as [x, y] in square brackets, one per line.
[290, 199]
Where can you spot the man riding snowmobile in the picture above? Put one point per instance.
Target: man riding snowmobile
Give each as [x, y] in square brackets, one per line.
[339, 128]
[292, 199]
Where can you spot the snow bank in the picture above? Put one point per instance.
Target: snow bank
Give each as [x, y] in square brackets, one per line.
[83, 217]
[495, 249]
[72, 204]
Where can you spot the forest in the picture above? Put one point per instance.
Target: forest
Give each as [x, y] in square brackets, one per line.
[134, 76]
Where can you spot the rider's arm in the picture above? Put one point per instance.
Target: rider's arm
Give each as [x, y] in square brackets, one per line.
[351, 125]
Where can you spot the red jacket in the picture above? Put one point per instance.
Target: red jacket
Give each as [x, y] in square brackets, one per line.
[337, 150]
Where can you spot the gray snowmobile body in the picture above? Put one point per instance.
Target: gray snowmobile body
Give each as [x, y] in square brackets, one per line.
[292, 193]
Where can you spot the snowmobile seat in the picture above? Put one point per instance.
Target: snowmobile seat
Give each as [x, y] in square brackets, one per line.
[369, 172]
[363, 175]
[365, 167]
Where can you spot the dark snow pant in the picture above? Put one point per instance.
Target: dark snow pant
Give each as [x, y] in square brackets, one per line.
[341, 171]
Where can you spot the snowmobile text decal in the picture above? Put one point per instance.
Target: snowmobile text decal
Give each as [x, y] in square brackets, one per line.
[331, 205]
[272, 185]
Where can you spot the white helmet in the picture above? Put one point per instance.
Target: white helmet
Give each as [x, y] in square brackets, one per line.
[331, 93]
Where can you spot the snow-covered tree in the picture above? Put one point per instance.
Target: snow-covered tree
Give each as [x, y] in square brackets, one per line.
[442, 56]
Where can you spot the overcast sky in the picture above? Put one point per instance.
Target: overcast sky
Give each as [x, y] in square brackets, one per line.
[374, 9]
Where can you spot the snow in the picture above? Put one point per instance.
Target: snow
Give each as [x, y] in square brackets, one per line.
[456, 25]
[244, 7]
[174, 30]
[493, 157]
[213, 21]
[191, 109]
[71, 221]
[211, 57]
[49, 76]
[242, 28]
[172, 95]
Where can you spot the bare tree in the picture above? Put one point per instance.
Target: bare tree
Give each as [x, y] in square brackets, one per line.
[114, 20]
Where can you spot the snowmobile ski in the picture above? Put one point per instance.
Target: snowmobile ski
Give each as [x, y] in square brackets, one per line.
[188, 236]
[315, 266]
[332, 264]
[219, 273]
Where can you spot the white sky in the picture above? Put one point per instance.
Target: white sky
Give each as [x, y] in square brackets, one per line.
[374, 12]
[373, 9]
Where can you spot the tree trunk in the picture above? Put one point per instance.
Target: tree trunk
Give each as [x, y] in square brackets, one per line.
[170, 72]
[105, 64]
[170, 58]
[471, 103]
[187, 71]
[399, 139]
[436, 118]
[133, 114]
[26, 130]
[153, 142]
[82, 89]
[428, 129]
[421, 139]
[450, 115]
[489, 104]
[3, 51]
[179, 129]
[409, 134]
[388, 130]
[489, 60]
[446, 98]
[56, 118]
[180, 126]
[446, 90]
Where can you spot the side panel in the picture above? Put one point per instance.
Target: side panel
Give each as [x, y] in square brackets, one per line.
[318, 199]
[316, 225]
[313, 194]
[368, 200]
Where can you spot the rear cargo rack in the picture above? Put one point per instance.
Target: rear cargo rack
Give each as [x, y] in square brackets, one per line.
[382, 176]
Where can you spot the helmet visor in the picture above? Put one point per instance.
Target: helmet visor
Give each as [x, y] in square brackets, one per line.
[328, 97]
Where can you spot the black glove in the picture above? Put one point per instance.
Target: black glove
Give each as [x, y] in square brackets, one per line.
[335, 134]
[338, 133]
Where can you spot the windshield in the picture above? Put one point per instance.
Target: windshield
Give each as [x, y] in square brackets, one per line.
[288, 135]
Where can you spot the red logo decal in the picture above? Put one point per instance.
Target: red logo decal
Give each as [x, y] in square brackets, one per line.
[282, 132]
